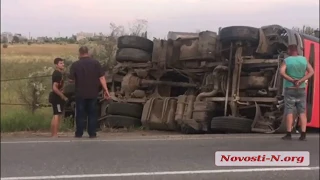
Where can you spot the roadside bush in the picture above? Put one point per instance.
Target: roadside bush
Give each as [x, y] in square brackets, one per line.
[33, 90]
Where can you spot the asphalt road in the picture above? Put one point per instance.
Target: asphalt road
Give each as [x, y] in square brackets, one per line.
[169, 158]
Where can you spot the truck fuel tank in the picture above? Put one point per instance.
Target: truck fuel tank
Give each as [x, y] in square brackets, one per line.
[159, 113]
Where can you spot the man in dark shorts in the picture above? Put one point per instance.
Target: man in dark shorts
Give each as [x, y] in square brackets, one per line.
[88, 76]
[56, 97]
[295, 70]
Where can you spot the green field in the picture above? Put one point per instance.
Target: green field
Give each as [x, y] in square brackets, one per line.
[18, 61]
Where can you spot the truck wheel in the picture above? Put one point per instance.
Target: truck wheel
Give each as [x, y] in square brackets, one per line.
[135, 42]
[104, 108]
[134, 55]
[239, 33]
[125, 109]
[117, 121]
[231, 124]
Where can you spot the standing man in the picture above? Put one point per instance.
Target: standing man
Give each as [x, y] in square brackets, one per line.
[56, 97]
[295, 71]
[88, 75]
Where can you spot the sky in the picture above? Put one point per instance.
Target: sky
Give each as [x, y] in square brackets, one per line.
[67, 17]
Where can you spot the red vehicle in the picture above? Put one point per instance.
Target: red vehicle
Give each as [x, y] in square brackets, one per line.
[311, 52]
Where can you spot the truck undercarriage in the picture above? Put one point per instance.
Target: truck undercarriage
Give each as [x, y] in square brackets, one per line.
[209, 82]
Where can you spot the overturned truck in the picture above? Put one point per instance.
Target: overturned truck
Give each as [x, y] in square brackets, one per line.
[201, 82]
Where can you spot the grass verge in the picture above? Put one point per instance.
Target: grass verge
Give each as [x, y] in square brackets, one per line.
[25, 121]
[18, 61]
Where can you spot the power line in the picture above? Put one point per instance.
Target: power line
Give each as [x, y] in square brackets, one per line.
[16, 79]
[21, 104]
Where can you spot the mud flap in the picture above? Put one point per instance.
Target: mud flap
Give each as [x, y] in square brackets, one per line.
[283, 126]
[259, 124]
[263, 43]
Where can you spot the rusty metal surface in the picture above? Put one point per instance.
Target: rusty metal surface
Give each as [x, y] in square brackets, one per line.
[295, 38]
[129, 84]
[135, 65]
[216, 83]
[263, 43]
[188, 107]
[159, 53]
[138, 94]
[176, 35]
[246, 99]
[159, 114]
[203, 113]
[186, 120]
[141, 73]
[168, 83]
[227, 88]
[195, 56]
[202, 47]
[235, 80]
[260, 61]
[194, 114]
[189, 49]
[181, 105]
[254, 82]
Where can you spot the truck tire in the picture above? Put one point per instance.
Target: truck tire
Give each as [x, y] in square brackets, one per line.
[104, 108]
[135, 42]
[117, 121]
[125, 109]
[231, 124]
[239, 33]
[133, 55]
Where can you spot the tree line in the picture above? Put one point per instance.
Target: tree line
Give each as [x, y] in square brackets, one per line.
[138, 27]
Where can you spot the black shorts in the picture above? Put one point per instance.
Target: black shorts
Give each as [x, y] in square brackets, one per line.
[57, 103]
[58, 108]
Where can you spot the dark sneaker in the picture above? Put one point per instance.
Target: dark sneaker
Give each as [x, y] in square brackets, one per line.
[286, 137]
[92, 136]
[302, 138]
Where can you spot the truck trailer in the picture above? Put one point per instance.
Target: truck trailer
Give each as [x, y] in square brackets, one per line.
[206, 82]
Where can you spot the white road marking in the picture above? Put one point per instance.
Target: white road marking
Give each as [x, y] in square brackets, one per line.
[167, 138]
[162, 173]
